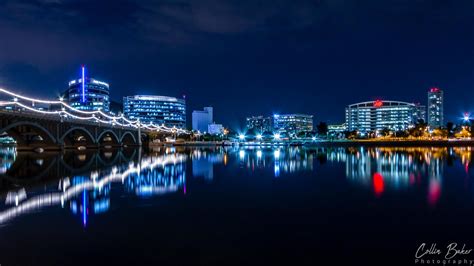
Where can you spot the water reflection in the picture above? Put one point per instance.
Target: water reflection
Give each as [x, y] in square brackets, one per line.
[86, 195]
[7, 157]
[203, 161]
[289, 160]
[400, 168]
[87, 183]
[380, 169]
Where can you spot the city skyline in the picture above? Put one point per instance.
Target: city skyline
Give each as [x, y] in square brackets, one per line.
[216, 132]
[77, 85]
[307, 57]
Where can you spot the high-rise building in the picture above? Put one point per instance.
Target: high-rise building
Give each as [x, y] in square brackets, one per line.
[202, 118]
[377, 115]
[435, 108]
[88, 94]
[292, 124]
[420, 113]
[260, 123]
[159, 110]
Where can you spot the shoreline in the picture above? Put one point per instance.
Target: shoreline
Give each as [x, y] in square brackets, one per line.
[309, 144]
[337, 143]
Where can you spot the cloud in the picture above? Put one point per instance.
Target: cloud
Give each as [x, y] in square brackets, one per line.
[54, 32]
[229, 17]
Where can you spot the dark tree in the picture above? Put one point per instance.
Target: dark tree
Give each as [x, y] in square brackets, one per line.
[322, 128]
[450, 128]
[385, 132]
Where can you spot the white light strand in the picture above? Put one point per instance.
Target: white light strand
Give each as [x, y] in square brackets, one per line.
[92, 114]
[50, 199]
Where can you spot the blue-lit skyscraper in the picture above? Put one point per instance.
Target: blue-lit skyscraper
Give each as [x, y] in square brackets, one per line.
[158, 110]
[435, 108]
[90, 95]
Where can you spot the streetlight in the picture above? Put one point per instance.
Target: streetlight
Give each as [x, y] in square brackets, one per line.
[466, 117]
[276, 136]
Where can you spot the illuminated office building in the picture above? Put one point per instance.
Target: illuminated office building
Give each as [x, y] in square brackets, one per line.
[377, 115]
[88, 94]
[260, 123]
[336, 129]
[159, 110]
[293, 123]
[435, 108]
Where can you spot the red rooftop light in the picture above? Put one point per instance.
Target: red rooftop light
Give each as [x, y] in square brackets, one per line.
[434, 89]
[378, 103]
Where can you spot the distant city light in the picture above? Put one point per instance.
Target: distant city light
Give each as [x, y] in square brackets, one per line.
[276, 136]
[466, 117]
[259, 136]
[241, 136]
[313, 138]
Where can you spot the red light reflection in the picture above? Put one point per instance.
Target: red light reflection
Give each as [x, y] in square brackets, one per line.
[378, 184]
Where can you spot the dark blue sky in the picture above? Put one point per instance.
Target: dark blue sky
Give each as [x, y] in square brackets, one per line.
[246, 57]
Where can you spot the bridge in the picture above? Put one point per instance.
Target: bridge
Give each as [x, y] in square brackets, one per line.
[54, 125]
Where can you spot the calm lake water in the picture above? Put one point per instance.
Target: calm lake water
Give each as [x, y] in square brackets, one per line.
[221, 206]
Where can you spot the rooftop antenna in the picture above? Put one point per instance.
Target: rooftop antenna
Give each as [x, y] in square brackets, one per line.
[83, 84]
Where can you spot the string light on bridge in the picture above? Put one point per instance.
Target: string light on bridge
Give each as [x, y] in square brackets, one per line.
[92, 115]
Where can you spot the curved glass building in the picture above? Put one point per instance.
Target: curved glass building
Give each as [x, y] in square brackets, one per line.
[377, 115]
[90, 95]
[158, 110]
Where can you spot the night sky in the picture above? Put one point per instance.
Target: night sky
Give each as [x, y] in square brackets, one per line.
[246, 57]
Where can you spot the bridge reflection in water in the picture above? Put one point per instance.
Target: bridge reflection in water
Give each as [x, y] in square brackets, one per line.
[90, 194]
[82, 182]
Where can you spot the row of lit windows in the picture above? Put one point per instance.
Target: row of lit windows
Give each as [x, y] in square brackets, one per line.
[79, 95]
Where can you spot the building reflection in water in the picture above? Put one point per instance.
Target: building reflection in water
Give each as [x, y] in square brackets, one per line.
[395, 168]
[7, 157]
[86, 195]
[286, 160]
[203, 161]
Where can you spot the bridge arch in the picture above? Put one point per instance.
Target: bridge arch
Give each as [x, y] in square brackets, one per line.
[70, 137]
[108, 137]
[128, 138]
[20, 131]
[77, 162]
